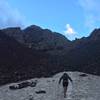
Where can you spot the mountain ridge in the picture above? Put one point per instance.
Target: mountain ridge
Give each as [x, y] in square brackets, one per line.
[38, 52]
[37, 38]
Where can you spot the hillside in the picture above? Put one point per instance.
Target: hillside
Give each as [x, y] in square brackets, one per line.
[36, 52]
[17, 62]
[40, 39]
[86, 53]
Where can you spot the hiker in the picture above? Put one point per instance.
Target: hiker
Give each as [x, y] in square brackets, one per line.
[65, 77]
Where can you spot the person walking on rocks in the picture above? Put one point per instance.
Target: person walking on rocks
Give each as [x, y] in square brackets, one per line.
[64, 78]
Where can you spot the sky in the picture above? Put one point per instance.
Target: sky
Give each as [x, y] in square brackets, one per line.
[72, 18]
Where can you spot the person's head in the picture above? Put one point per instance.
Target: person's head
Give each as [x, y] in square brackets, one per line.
[65, 74]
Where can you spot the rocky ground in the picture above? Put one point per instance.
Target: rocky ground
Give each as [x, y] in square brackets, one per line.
[84, 87]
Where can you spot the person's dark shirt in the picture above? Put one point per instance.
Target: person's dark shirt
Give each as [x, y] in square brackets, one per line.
[65, 77]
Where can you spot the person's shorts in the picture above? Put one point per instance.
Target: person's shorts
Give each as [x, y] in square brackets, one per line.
[65, 84]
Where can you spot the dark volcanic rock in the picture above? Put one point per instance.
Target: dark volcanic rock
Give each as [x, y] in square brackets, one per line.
[15, 32]
[40, 39]
[95, 35]
[36, 52]
[41, 92]
[17, 62]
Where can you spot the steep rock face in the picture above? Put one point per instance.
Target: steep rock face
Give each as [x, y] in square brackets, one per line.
[80, 52]
[19, 53]
[86, 53]
[15, 32]
[40, 39]
[95, 35]
[45, 40]
[17, 62]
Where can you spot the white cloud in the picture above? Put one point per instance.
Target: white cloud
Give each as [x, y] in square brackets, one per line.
[9, 16]
[91, 9]
[69, 30]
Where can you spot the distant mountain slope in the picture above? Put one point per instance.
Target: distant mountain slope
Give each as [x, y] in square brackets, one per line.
[17, 62]
[86, 53]
[40, 52]
[40, 39]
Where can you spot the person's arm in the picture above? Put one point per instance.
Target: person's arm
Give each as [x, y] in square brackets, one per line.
[60, 79]
[70, 79]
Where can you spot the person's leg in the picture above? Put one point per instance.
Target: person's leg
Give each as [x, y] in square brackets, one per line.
[65, 90]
